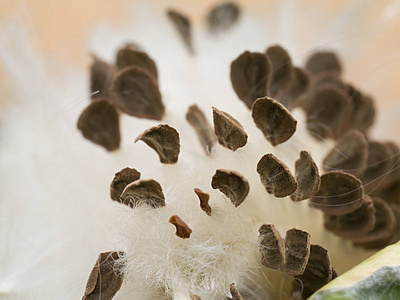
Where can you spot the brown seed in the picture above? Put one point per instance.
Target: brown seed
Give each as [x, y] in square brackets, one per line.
[164, 140]
[235, 292]
[250, 76]
[182, 229]
[357, 223]
[194, 297]
[340, 193]
[101, 74]
[229, 131]
[232, 184]
[274, 120]
[329, 78]
[350, 154]
[99, 123]
[396, 232]
[131, 56]
[183, 26]
[323, 61]
[307, 177]
[140, 192]
[223, 16]
[390, 194]
[104, 282]
[121, 180]
[204, 130]
[297, 251]
[298, 89]
[136, 93]
[282, 70]
[364, 110]
[272, 248]
[276, 176]
[203, 197]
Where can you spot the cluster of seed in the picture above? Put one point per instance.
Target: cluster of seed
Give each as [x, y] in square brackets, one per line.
[359, 192]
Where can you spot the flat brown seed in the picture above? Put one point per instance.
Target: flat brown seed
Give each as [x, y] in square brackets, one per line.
[329, 78]
[121, 180]
[250, 76]
[298, 89]
[101, 74]
[318, 271]
[232, 184]
[235, 292]
[99, 123]
[164, 139]
[223, 16]
[203, 128]
[276, 176]
[282, 70]
[274, 120]
[340, 193]
[272, 247]
[229, 131]
[104, 282]
[364, 110]
[183, 26]
[307, 177]
[396, 232]
[203, 197]
[135, 92]
[357, 223]
[182, 229]
[350, 154]
[329, 113]
[140, 192]
[322, 62]
[297, 251]
[131, 56]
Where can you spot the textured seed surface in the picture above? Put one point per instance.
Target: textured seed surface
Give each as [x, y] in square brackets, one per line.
[164, 139]
[140, 192]
[322, 62]
[203, 197]
[232, 184]
[282, 70]
[329, 78]
[272, 247]
[121, 180]
[135, 92]
[131, 56]
[104, 282]
[276, 176]
[274, 120]
[99, 123]
[229, 131]
[307, 177]
[182, 229]
[235, 292]
[223, 16]
[203, 128]
[297, 251]
[250, 76]
[340, 193]
[364, 110]
[183, 26]
[298, 89]
[101, 74]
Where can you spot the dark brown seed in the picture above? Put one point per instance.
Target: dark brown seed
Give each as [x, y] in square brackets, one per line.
[223, 16]
[272, 248]
[323, 61]
[274, 120]
[104, 280]
[329, 113]
[183, 26]
[396, 232]
[318, 271]
[282, 70]
[250, 76]
[340, 193]
[140, 192]
[203, 197]
[390, 194]
[164, 140]
[99, 123]
[329, 78]
[232, 184]
[229, 131]
[297, 251]
[276, 176]
[135, 92]
[298, 90]
[364, 110]
[203, 128]
[121, 180]
[235, 292]
[101, 74]
[307, 177]
[182, 229]
[131, 56]
[384, 227]
[357, 223]
[350, 154]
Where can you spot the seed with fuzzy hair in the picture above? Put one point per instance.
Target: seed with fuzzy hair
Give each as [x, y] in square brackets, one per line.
[232, 184]
[235, 292]
[298, 89]
[121, 180]
[272, 247]
[297, 251]
[323, 61]
[182, 229]
[147, 192]
[101, 74]
[203, 197]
